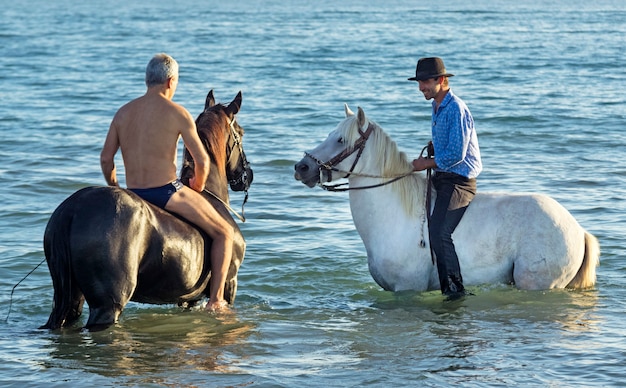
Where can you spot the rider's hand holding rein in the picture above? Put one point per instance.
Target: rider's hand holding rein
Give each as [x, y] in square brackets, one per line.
[422, 163]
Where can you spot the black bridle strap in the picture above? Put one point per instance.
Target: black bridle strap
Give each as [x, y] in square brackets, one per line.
[229, 151]
[242, 178]
[245, 163]
[241, 217]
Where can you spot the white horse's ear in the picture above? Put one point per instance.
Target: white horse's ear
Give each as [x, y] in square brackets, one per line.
[360, 118]
[348, 111]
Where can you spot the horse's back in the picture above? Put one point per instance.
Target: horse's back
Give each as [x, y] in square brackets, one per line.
[528, 239]
[94, 217]
[536, 216]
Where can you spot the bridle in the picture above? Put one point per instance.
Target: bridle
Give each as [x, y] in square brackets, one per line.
[327, 168]
[243, 179]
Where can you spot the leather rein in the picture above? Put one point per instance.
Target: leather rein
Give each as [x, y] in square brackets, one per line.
[327, 168]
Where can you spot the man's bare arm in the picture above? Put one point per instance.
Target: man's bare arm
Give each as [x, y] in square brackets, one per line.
[107, 156]
[198, 153]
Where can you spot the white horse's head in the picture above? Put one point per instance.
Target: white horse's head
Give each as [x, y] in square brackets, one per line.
[336, 157]
[357, 147]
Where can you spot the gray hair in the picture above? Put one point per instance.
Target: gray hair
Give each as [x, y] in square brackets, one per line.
[160, 68]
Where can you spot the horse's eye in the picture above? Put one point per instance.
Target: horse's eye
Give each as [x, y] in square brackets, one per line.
[340, 140]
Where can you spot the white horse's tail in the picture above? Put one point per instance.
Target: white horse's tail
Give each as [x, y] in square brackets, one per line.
[586, 276]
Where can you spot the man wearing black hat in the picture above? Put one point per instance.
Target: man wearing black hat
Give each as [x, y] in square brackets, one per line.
[456, 164]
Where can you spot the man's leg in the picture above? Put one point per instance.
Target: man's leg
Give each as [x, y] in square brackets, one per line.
[193, 207]
[436, 234]
[453, 197]
[453, 277]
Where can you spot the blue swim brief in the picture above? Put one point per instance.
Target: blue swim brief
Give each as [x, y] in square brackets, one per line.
[159, 195]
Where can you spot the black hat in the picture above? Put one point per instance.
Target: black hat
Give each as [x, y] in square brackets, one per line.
[430, 68]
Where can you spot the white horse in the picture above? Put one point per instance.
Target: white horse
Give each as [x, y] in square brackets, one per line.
[528, 240]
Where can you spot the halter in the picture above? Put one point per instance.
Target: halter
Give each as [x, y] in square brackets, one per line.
[327, 168]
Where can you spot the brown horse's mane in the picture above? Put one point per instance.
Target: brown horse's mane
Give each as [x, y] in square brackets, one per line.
[212, 127]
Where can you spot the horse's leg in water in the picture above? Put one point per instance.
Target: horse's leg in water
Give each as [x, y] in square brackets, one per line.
[105, 308]
[76, 307]
[102, 317]
[108, 296]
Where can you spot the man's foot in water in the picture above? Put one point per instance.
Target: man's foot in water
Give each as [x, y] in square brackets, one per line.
[218, 306]
[456, 295]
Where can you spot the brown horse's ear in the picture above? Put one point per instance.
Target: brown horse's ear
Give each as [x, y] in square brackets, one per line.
[234, 106]
[210, 100]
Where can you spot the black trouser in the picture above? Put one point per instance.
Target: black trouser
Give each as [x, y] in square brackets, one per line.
[454, 194]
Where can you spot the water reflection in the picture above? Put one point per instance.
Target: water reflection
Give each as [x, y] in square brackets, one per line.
[573, 310]
[151, 342]
[477, 337]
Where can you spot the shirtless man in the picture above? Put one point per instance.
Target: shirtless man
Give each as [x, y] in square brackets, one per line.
[147, 130]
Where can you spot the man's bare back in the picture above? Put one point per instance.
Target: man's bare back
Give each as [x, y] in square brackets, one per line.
[147, 130]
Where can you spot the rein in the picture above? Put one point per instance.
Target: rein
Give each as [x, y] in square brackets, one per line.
[15, 286]
[337, 187]
[430, 153]
[359, 146]
[241, 217]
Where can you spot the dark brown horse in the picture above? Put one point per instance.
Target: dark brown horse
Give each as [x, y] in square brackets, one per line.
[107, 246]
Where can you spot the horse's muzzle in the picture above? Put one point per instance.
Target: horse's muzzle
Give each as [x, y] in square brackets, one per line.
[244, 181]
[307, 171]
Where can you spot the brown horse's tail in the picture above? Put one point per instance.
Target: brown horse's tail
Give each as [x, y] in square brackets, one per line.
[586, 276]
[68, 299]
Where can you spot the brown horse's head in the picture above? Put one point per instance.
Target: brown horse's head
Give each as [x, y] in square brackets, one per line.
[222, 138]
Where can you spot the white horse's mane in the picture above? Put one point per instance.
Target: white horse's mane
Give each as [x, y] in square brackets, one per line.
[390, 162]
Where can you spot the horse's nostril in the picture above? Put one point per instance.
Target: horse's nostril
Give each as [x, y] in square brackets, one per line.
[301, 167]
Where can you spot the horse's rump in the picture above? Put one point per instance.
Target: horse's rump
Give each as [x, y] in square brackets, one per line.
[532, 233]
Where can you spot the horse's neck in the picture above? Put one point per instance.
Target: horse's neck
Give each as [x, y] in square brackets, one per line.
[217, 184]
[370, 201]
[405, 199]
